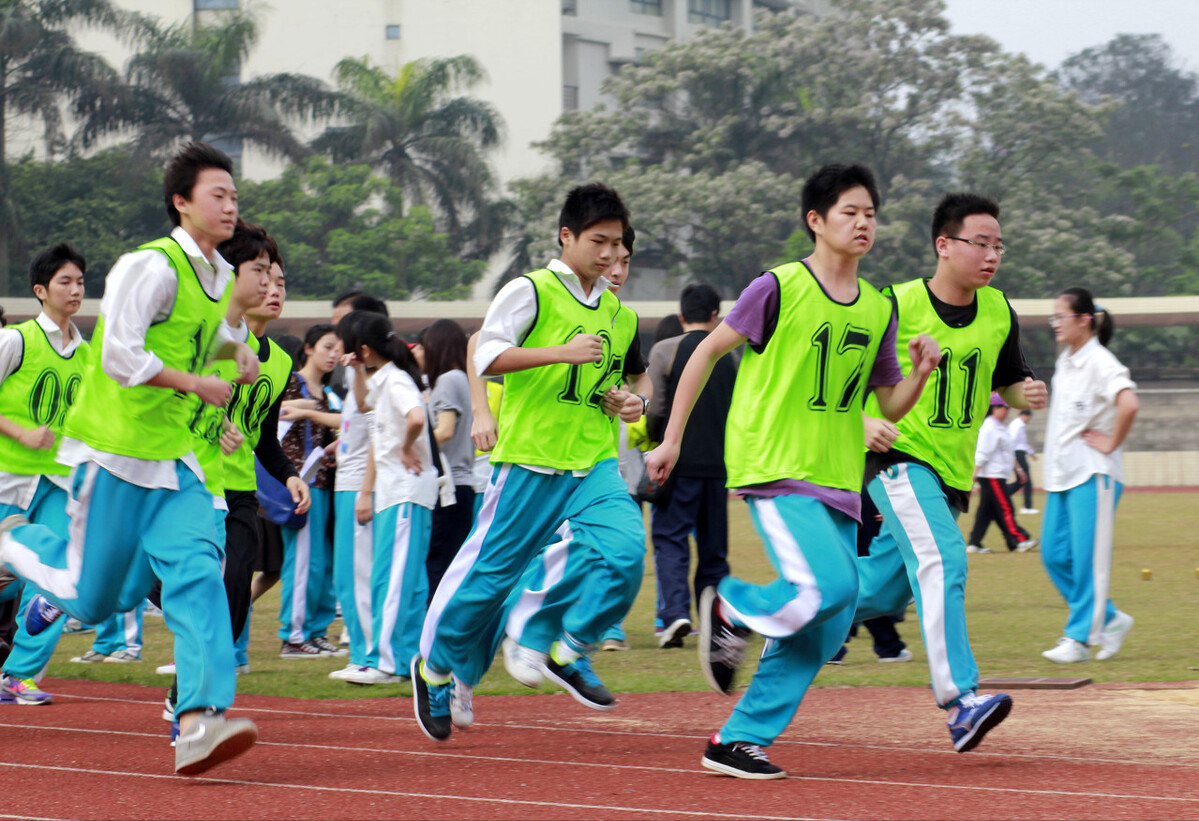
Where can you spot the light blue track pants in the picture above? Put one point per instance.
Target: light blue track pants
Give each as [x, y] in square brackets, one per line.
[521, 510]
[399, 585]
[1076, 547]
[353, 555]
[919, 550]
[307, 605]
[120, 631]
[121, 537]
[31, 654]
[804, 613]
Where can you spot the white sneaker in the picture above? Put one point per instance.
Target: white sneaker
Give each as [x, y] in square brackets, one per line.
[1067, 651]
[371, 675]
[1029, 511]
[973, 548]
[1027, 545]
[522, 663]
[1113, 635]
[462, 709]
[123, 656]
[344, 673]
[903, 655]
[166, 669]
[211, 739]
[241, 669]
[90, 657]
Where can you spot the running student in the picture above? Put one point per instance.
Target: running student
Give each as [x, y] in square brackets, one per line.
[42, 359]
[819, 339]
[139, 505]
[561, 339]
[922, 484]
[1093, 407]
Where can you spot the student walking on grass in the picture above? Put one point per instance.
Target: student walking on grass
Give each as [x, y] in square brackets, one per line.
[820, 338]
[1093, 405]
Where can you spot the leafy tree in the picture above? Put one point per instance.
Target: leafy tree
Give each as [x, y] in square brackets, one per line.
[339, 227]
[430, 144]
[40, 68]
[183, 85]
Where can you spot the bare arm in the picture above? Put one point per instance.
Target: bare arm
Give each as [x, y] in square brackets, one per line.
[1031, 393]
[447, 423]
[897, 400]
[483, 427]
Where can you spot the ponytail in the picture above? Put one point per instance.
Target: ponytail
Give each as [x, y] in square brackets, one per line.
[374, 331]
[1082, 302]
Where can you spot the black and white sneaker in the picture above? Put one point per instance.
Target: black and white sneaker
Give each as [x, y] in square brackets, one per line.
[740, 760]
[579, 679]
[326, 647]
[721, 645]
[431, 703]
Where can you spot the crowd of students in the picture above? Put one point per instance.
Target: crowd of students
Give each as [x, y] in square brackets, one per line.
[184, 448]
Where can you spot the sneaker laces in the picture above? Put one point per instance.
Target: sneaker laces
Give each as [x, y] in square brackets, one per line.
[752, 750]
[439, 698]
[583, 666]
[729, 647]
[461, 697]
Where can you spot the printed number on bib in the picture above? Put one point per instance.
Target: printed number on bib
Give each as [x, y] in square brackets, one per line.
[50, 398]
[589, 382]
[854, 342]
[946, 376]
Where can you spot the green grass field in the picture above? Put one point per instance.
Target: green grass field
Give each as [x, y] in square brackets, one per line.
[1014, 613]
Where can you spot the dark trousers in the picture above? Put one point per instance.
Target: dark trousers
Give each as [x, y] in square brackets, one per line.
[241, 553]
[1022, 461]
[451, 526]
[699, 506]
[995, 505]
[8, 625]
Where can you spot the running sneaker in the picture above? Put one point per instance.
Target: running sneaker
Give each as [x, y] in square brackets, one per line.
[614, 644]
[22, 691]
[672, 636]
[721, 645]
[1112, 637]
[431, 703]
[123, 656]
[903, 655]
[1027, 545]
[166, 669]
[211, 739]
[305, 650]
[1067, 651]
[740, 759]
[579, 679]
[974, 716]
[76, 626]
[462, 708]
[327, 648]
[522, 663]
[40, 615]
[973, 548]
[90, 657]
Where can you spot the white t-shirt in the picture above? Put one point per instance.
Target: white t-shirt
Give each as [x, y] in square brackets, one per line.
[994, 454]
[393, 394]
[354, 442]
[1083, 396]
[1018, 428]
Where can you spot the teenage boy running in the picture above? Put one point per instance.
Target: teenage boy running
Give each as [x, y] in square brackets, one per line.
[922, 484]
[41, 365]
[819, 338]
[139, 506]
[560, 337]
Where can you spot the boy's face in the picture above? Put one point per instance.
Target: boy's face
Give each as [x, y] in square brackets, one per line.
[211, 212]
[848, 227]
[64, 293]
[970, 266]
[276, 295]
[253, 281]
[619, 274]
[593, 252]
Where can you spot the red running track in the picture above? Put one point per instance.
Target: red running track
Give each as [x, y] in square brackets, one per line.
[1103, 752]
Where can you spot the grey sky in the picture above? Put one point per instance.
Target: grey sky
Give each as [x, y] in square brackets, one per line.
[1048, 31]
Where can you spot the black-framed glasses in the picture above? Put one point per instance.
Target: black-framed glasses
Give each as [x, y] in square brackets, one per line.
[1054, 321]
[997, 247]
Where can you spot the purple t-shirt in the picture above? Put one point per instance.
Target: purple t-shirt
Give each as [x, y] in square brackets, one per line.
[755, 316]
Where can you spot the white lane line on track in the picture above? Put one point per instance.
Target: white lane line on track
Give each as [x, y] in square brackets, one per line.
[398, 794]
[634, 767]
[406, 717]
[6, 816]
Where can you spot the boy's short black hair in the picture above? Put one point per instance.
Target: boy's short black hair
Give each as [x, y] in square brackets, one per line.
[822, 190]
[247, 243]
[48, 262]
[362, 301]
[346, 296]
[588, 205]
[698, 301]
[953, 209]
[181, 171]
[630, 237]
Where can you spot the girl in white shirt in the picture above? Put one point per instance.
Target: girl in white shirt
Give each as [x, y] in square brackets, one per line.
[404, 482]
[1091, 409]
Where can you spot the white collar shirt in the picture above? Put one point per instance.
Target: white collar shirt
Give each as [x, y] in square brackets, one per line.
[994, 455]
[392, 396]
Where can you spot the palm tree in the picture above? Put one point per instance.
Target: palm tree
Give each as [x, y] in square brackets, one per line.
[431, 144]
[184, 85]
[40, 67]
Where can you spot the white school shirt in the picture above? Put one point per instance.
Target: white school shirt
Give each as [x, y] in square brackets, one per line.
[1019, 431]
[1083, 396]
[140, 290]
[393, 394]
[512, 314]
[18, 488]
[354, 443]
[994, 454]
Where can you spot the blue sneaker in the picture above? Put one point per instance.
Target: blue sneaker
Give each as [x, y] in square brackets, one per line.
[579, 679]
[41, 614]
[174, 732]
[431, 703]
[974, 716]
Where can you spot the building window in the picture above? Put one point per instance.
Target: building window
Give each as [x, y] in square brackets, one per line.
[570, 98]
[570, 8]
[709, 12]
[653, 7]
[393, 32]
[212, 5]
